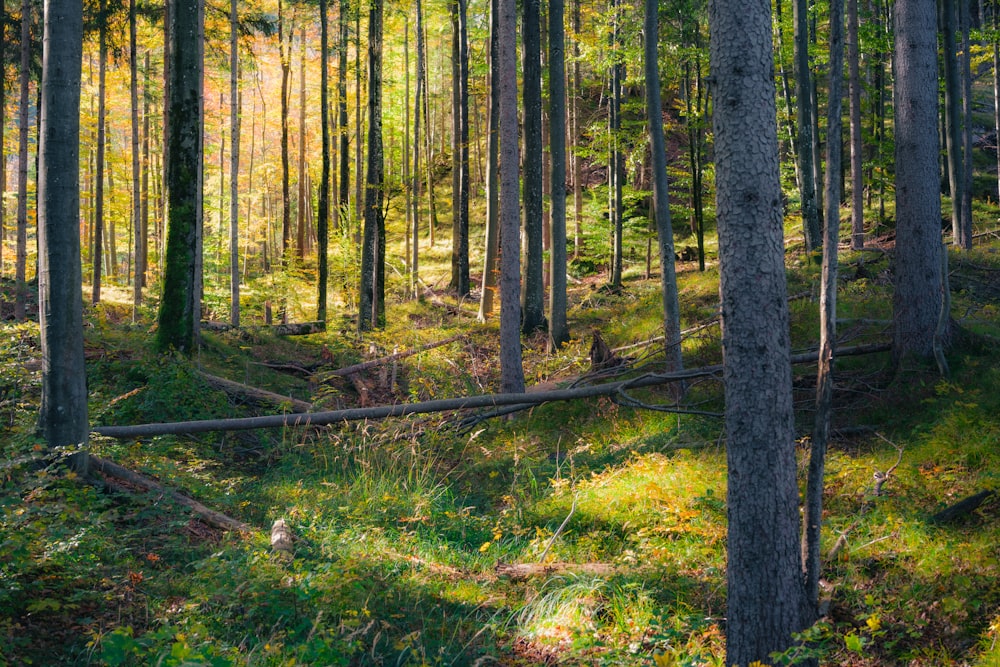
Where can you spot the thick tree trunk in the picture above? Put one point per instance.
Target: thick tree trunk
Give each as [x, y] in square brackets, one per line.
[918, 284]
[63, 412]
[661, 192]
[505, 70]
[178, 316]
[765, 590]
[533, 289]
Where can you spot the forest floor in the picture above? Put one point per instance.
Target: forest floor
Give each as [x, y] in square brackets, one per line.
[582, 532]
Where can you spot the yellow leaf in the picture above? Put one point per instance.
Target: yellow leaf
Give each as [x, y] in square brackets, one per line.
[486, 545]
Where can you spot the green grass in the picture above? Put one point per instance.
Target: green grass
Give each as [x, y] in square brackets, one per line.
[400, 525]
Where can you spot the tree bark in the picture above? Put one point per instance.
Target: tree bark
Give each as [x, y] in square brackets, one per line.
[21, 251]
[916, 299]
[533, 289]
[803, 87]
[505, 70]
[952, 118]
[417, 107]
[372, 298]
[857, 148]
[344, 191]
[965, 75]
[284, 48]
[179, 313]
[558, 328]
[323, 223]
[234, 164]
[301, 237]
[99, 254]
[62, 416]
[764, 566]
[491, 256]
[661, 192]
[137, 267]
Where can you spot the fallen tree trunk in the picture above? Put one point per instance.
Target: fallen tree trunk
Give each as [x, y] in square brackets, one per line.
[256, 395]
[356, 368]
[284, 329]
[528, 570]
[210, 516]
[441, 405]
[962, 507]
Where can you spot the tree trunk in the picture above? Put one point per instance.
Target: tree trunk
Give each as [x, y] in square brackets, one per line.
[137, 268]
[417, 107]
[533, 289]
[344, 191]
[575, 132]
[952, 117]
[996, 89]
[857, 167]
[558, 328]
[765, 603]
[372, 298]
[492, 176]
[234, 164]
[142, 262]
[505, 71]
[964, 240]
[918, 284]
[323, 223]
[21, 257]
[284, 48]
[827, 312]
[178, 316]
[803, 88]
[301, 237]
[99, 254]
[62, 415]
[661, 192]
[615, 168]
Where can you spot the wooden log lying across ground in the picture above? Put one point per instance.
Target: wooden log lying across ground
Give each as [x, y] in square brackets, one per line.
[440, 405]
[210, 516]
[962, 508]
[256, 395]
[285, 329]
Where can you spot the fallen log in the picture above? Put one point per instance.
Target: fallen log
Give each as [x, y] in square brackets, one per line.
[283, 329]
[363, 366]
[528, 570]
[962, 507]
[210, 516]
[440, 405]
[256, 395]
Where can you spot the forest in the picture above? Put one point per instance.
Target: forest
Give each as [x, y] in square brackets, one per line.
[417, 333]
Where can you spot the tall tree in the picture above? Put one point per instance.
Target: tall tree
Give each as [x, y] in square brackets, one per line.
[137, 231]
[803, 88]
[857, 147]
[615, 168]
[827, 313]
[919, 285]
[285, 56]
[533, 290]
[952, 116]
[460, 142]
[102, 68]
[417, 106]
[323, 224]
[764, 566]
[344, 191]
[661, 193]
[964, 240]
[21, 257]
[558, 328]
[505, 69]
[62, 416]
[180, 302]
[372, 301]
[491, 256]
[234, 163]
[301, 237]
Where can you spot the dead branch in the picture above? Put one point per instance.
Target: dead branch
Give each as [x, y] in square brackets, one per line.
[440, 405]
[349, 370]
[528, 570]
[256, 395]
[210, 516]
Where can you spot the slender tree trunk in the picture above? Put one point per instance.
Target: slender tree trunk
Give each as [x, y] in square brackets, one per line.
[661, 192]
[952, 117]
[358, 196]
[21, 258]
[857, 167]
[577, 162]
[323, 224]
[62, 416]
[803, 87]
[429, 139]
[302, 238]
[3, 151]
[284, 48]
[417, 106]
[492, 174]
[533, 289]
[996, 88]
[616, 169]
[511, 367]
[765, 603]
[558, 328]
[234, 163]
[372, 301]
[137, 262]
[344, 191]
[100, 256]
[965, 75]
[827, 313]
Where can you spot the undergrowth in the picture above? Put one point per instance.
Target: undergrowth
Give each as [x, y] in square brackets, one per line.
[403, 528]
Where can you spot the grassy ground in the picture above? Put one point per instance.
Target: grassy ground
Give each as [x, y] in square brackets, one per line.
[403, 527]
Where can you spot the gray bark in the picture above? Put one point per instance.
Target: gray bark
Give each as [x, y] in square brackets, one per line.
[533, 289]
[417, 107]
[21, 251]
[234, 165]
[505, 70]
[491, 257]
[558, 329]
[138, 268]
[803, 88]
[952, 118]
[99, 254]
[344, 191]
[661, 192]
[965, 75]
[764, 566]
[63, 411]
[372, 298]
[857, 168]
[916, 300]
